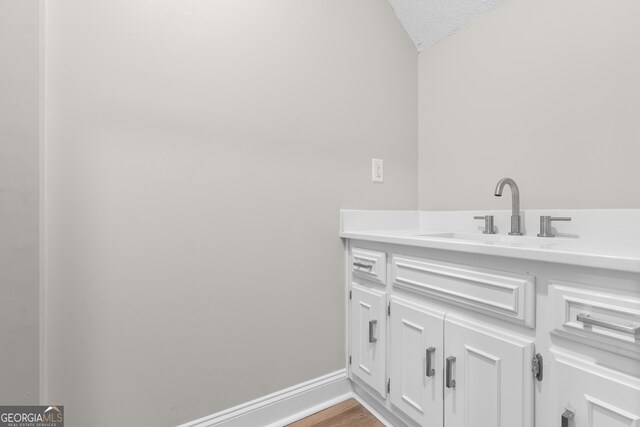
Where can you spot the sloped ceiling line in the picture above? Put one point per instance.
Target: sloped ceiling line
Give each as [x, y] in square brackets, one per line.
[429, 21]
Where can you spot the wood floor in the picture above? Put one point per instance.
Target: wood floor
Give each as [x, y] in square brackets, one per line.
[348, 413]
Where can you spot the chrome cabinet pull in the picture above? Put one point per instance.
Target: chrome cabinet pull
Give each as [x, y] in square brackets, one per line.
[372, 323]
[450, 382]
[586, 319]
[567, 416]
[430, 371]
[361, 265]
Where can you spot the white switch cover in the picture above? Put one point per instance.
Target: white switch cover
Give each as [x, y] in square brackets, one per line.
[377, 170]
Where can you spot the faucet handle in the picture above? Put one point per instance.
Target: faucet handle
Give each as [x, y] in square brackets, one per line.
[545, 224]
[488, 223]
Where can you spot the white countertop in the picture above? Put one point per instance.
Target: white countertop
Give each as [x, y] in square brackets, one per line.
[580, 247]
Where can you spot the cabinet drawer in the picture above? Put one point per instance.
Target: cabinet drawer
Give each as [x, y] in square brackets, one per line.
[597, 396]
[501, 294]
[597, 318]
[370, 265]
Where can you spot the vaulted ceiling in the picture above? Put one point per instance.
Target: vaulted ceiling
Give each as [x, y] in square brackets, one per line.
[429, 21]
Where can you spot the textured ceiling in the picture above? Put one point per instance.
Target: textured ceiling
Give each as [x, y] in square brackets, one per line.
[429, 21]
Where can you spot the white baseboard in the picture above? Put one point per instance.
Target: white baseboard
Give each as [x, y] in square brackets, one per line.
[310, 411]
[285, 406]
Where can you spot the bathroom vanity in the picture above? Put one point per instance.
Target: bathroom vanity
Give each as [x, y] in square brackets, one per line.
[448, 326]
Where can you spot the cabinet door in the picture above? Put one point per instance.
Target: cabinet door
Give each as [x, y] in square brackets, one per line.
[368, 336]
[492, 373]
[416, 350]
[597, 396]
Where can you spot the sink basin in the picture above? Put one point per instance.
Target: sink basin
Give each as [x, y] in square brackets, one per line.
[493, 239]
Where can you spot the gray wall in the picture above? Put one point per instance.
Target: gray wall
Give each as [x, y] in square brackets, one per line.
[198, 154]
[543, 91]
[19, 200]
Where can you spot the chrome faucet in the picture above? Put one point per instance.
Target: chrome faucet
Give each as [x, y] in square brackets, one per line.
[515, 204]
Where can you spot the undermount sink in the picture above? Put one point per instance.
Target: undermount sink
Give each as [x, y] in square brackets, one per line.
[492, 238]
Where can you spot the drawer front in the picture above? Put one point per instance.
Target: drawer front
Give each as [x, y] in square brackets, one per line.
[597, 318]
[501, 294]
[370, 265]
[594, 395]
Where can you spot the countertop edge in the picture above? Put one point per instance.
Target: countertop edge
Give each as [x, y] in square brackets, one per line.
[582, 259]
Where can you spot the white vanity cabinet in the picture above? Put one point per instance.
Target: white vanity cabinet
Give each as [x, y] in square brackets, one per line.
[590, 395]
[416, 349]
[446, 339]
[488, 380]
[368, 318]
[369, 336]
[485, 370]
[448, 370]
[442, 367]
[495, 330]
[590, 391]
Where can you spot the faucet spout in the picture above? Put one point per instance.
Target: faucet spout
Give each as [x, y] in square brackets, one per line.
[515, 204]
